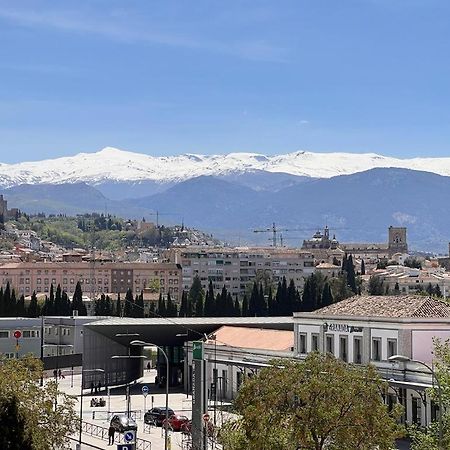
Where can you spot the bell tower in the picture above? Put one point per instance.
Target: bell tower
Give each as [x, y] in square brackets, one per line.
[397, 240]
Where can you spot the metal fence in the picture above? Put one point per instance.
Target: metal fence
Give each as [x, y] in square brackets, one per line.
[102, 433]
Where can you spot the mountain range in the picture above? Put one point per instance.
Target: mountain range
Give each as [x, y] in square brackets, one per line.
[357, 195]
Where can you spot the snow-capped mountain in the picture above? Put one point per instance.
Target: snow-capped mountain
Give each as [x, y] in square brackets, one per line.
[118, 166]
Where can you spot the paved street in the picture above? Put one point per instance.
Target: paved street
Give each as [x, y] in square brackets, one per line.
[179, 402]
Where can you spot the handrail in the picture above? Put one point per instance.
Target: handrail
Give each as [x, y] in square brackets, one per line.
[101, 432]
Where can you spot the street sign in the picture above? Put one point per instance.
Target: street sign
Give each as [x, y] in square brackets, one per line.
[145, 391]
[129, 436]
[197, 349]
[126, 447]
[17, 334]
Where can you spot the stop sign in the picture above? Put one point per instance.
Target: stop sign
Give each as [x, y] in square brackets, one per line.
[17, 334]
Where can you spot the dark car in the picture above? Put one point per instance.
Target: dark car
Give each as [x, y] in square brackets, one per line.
[122, 423]
[157, 415]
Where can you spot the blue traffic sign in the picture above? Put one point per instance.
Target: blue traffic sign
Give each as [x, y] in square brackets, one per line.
[129, 436]
[145, 391]
[126, 447]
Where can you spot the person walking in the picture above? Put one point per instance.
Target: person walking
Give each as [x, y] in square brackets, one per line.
[111, 434]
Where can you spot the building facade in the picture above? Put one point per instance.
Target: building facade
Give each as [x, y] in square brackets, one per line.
[369, 330]
[95, 278]
[238, 268]
[29, 340]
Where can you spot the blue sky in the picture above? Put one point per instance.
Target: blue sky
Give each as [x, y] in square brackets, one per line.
[205, 76]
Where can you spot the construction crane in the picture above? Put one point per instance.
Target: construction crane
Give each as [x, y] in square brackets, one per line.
[157, 214]
[274, 230]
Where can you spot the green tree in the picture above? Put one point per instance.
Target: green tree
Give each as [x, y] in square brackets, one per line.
[14, 435]
[195, 298]
[38, 420]
[429, 439]
[376, 285]
[118, 308]
[327, 296]
[363, 267]
[245, 312]
[321, 403]
[77, 301]
[210, 301]
[183, 305]
[33, 308]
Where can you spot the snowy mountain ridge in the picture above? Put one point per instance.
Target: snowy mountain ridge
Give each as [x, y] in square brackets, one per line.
[114, 165]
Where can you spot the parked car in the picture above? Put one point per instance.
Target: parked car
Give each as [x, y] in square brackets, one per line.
[122, 423]
[157, 415]
[176, 422]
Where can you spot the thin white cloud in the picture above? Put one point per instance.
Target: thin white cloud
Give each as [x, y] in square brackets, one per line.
[72, 21]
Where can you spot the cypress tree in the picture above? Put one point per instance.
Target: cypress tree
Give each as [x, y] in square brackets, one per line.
[59, 310]
[327, 296]
[253, 303]
[21, 307]
[245, 311]
[33, 306]
[13, 304]
[161, 310]
[2, 304]
[195, 297]
[271, 304]
[77, 301]
[290, 303]
[237, 308]
[210, 303]
[140, 305]
[66, 306]
[363, 267]
[128, 308]
[351, 277]
[118, 309]
[183, 306]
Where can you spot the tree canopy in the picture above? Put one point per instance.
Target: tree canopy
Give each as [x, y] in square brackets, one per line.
[30, 409]
[321, 403]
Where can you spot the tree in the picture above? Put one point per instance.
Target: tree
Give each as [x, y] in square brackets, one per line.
[429, 439]
[363, 267]
[33, 308]
[77, 301]
[321, 403]
[375, 285]
[118, 308]
[183, 305]
[245, 312]
[33, 412]
[195, 298]
[210, 301]
[327, 296]
[14, 435]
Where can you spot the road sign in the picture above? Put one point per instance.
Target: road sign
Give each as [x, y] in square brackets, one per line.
[197, 349]
[129, 436]
[126, 447]
[145, 391]
[17, 334]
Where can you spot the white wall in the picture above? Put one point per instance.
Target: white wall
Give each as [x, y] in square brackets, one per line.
[422, 343]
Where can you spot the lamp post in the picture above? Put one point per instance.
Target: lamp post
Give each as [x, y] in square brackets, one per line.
[405, 359]
[81, 401]
[128, 398]
[149, 344]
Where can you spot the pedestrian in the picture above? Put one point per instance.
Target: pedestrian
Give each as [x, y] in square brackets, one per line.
[156, 380]
[92, 387]
[111, 433]
[55, 373]
[99, 387]
[149, 366]
[59, 373]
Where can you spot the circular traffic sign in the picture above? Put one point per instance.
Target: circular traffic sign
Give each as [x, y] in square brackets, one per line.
[129, 436]
[145, 391]
[17, 334]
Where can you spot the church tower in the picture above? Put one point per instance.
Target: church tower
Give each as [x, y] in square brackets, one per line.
[397, 240]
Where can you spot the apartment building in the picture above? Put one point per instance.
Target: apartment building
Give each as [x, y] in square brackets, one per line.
[96, 278]
[363, 330]
[237, 268]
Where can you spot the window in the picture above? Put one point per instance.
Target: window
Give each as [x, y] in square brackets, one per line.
[329, 339]
[4, 334]
[392, 347]
[30, 333]
[376, 349]
[314, 342]
[343, 345]
[357, 345]
[302, 343]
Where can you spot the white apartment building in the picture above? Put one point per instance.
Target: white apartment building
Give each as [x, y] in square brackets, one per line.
[411, 281]
[363, 330]
[237, 268]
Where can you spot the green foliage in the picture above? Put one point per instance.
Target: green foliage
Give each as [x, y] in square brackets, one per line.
[429, 439]
[376, 285]
[321, 403]
[37, 421]
[412, 262]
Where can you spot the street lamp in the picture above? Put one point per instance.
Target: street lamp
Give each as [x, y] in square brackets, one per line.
[128, 398]
[149, 344]
[405, 359]
[81, 400]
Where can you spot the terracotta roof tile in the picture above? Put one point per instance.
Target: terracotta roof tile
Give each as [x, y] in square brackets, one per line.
[389, 306]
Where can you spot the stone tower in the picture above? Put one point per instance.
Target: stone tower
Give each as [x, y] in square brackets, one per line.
[397, 240]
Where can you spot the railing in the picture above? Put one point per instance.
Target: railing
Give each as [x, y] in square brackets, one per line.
[104, 415]
[102, 433]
